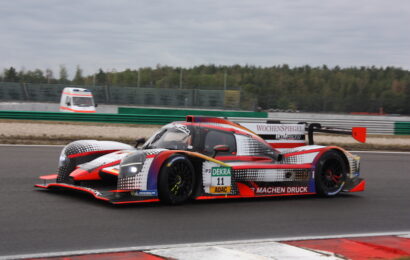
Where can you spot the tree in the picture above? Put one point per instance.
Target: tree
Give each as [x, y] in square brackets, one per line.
[49, 75]
[406, 107]
[36, 76]
[78, 77]
[10, 75]
[310, 89]
[63, 75]
[101, 77]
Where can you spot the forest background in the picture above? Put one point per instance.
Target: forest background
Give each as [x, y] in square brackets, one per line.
[305, 88]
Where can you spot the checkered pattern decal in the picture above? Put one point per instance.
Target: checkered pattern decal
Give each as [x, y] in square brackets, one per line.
[84, 149]
[139, 181]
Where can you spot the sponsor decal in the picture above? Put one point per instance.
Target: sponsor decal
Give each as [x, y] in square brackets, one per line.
[274, 128]
[289, 137]
[144, 193]
[220, 180]
[174, 159]
[221, 171]
[281, 190]
[219, 189]
[278, 129]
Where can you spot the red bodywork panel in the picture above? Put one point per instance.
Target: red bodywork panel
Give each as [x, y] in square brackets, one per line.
[49, 177]
[359, 187]
[83, 175]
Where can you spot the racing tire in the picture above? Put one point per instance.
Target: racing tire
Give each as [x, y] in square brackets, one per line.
[176, 180]
[330, 174]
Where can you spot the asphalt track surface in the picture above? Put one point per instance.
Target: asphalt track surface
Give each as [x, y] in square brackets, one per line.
[35, 221]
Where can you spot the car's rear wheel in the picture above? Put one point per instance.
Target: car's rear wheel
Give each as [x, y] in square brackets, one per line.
[330, 174]
[176, 181]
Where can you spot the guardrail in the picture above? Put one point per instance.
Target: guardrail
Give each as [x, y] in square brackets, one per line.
[374, 126]
[193, 112]
[91, 117]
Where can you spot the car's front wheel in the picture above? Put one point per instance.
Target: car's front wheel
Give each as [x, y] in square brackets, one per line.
[330, 174]
[176, 181]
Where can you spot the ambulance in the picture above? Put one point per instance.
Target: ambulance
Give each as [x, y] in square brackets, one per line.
[79, 100]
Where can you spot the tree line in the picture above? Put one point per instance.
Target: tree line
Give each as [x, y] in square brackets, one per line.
[305, 88]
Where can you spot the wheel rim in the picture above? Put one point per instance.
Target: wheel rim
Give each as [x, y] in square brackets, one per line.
[180, 181]
[332, 175]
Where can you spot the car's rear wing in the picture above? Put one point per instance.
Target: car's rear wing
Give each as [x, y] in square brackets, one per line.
[279, 136]
[358, 133]
[285, 136]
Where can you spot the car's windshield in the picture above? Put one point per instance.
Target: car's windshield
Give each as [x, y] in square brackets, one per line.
[177, 137]
[83, 101]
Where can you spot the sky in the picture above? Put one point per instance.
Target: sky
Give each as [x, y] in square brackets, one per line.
[121, 34]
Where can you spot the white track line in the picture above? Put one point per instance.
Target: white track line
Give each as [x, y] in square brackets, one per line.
[380, 152]
[192, 245]
[31, 145]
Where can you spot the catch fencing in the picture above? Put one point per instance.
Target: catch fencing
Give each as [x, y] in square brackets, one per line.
[10, 91]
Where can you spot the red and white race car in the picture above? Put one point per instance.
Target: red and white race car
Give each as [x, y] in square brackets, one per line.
[209, 158]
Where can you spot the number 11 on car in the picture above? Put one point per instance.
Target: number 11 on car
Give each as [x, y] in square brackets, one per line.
[220, 180]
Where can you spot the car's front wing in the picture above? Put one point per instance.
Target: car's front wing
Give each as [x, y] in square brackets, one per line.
[111, 195]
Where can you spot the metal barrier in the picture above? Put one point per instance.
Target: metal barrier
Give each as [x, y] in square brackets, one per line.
[94, 117]
[402, 128]
[186, 112]
[384, 127]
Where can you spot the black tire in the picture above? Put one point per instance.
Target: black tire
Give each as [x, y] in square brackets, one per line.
[330, 174]
[176, 180]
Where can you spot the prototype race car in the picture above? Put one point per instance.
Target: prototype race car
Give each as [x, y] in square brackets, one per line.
[209, 158]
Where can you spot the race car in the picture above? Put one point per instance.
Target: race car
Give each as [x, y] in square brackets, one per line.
[209, 158]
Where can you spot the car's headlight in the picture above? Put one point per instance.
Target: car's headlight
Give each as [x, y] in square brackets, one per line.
[62, 161]
[132, 164]
[130, 169]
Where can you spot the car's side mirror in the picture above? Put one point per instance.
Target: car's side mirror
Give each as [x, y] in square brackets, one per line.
[96, 105]
[139, 141]
[220, 148]
[68, 104]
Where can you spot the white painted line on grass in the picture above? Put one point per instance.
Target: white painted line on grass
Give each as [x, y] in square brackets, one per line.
[195, 245]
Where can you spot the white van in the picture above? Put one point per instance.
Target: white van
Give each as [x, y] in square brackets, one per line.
[77, 100]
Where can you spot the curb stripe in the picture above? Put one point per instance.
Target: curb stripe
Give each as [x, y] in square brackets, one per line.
[120, 255]
[385, 247]
[193, 245]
